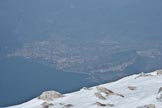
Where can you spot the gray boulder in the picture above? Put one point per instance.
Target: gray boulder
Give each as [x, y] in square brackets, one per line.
[50, 95]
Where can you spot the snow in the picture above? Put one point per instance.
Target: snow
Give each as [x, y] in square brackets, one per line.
[145, 94]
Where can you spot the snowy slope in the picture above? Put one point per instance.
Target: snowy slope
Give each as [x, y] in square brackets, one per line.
[146, 92]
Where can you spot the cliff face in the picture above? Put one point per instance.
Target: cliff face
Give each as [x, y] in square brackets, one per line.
[136, 91]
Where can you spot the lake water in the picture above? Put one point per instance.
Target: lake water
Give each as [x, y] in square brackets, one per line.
[22, 80]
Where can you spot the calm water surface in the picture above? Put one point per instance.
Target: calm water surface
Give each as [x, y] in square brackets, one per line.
[22, 80]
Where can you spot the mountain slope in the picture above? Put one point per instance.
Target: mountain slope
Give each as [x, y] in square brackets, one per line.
[136, 91]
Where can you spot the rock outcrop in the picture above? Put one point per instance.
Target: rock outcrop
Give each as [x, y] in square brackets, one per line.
[159, 97]
[50, 95]
[86, 88]
[148, 106]
[160, 90]
[107, 91]
[68, 106]
[46, 105]
[99, 104]
[99, 95]
[143, 75]
[159, 72]
[132, 88]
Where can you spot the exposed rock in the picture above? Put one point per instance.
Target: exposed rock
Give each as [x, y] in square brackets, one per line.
[151, 106]
[148, 106]
[46, 105]
[160, 90]
[99, 95]
[132, 87]
[104, 90]
[100, 104]
[159, 97]
[143, 75]
[107, 91]
[159, 72]
[61, 103]
[50, 95]
[111, 105]
[68, 106]
[86, 88]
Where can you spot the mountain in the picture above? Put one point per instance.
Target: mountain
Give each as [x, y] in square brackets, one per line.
[142, 90]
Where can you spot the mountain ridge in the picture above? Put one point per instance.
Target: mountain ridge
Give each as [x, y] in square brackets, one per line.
[142, 90]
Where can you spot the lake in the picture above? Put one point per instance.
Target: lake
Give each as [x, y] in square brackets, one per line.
[22, 80]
